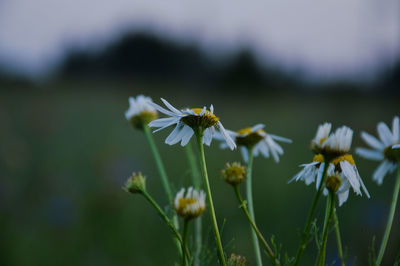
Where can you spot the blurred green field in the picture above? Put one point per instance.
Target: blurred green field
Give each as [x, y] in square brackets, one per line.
[65, 153]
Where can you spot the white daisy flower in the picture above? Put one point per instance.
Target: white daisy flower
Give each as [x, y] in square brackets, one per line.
[342, 174]
[140, 111]
[311, 171]
[339, 142]
[322, 135]
[256, 138]
[386, 149]
[187, 122]
[191, 205]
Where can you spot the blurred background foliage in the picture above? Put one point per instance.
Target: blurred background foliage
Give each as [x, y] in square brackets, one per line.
[67, 149]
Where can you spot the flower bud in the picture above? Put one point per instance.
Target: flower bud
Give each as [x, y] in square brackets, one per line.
[237, 260]
[234, 173]
[136, 183]
[333, 182]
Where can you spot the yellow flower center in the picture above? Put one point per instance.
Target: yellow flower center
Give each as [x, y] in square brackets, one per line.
[234, 173]
[318, 158]
[346, 157]
[143, 118]
[188, 213]
[205, 120]
[249, 140]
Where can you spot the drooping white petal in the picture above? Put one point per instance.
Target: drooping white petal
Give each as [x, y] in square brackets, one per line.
[361, 182]
[187, 136]
[228, 139]
[342, 197]
[175, 134]
[161, 122]
[385, 134]
[396, 146]
[320, 174]
[370, 154]
[166, 125]
[263, 148]
[207, 137]
[245, 154]
[381, 171]
[351, 175]
[372, 141]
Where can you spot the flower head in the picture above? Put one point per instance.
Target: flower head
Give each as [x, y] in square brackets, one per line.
[342, 174]
[258, 140]
[332, 144]
[135, 183]
[191, 205]
[187, 122]
[140, 111]
[386, 149]
[234, 173]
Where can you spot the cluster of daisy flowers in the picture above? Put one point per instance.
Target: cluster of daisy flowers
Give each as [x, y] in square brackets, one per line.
[333, 168]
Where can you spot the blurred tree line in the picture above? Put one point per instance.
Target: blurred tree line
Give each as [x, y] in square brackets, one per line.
[147, 57]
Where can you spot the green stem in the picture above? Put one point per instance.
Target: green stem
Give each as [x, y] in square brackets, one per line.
[249, 193]
[338, 238]
[163, 174]
[254, 227]
[168, 222]
[184, 245]
[199, 136]
[328, 217]
[390, 218]
[307, 228]
[197, 183]
[160, 165]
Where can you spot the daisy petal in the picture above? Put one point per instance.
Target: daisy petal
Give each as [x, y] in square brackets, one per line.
[170, 107]
[395, 129]
[370, 154]
[385, 134]
[372, 141]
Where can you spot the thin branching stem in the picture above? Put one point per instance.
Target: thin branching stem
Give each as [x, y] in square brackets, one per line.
[265, 244]
[184, 244]
[168, 223]
[307, 228]
[390, 219]
[249, 194]
[199, 137]
[338, 238]
[196, 177]
[328, 218]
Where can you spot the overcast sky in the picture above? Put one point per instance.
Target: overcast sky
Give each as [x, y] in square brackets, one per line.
[325, 38]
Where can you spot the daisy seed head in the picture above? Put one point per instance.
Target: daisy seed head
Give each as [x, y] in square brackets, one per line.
[392, 154]
[191, 205]
[136, 183]
[140, 111]
[201, 119]
[237, 260]
[333, 182]
[246, 137]
[234, 173]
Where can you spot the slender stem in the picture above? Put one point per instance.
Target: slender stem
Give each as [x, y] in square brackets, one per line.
[249, 193]
[338, 238]
[307, 228]
[184, 245]
[390, 218]
[328, 217]
[199, 135]
[195, 171]
[163, 174]
[255, 228]
[167, 221]
[160, 165]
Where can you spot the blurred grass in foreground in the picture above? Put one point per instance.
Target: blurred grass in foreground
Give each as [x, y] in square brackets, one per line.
[65, 154]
